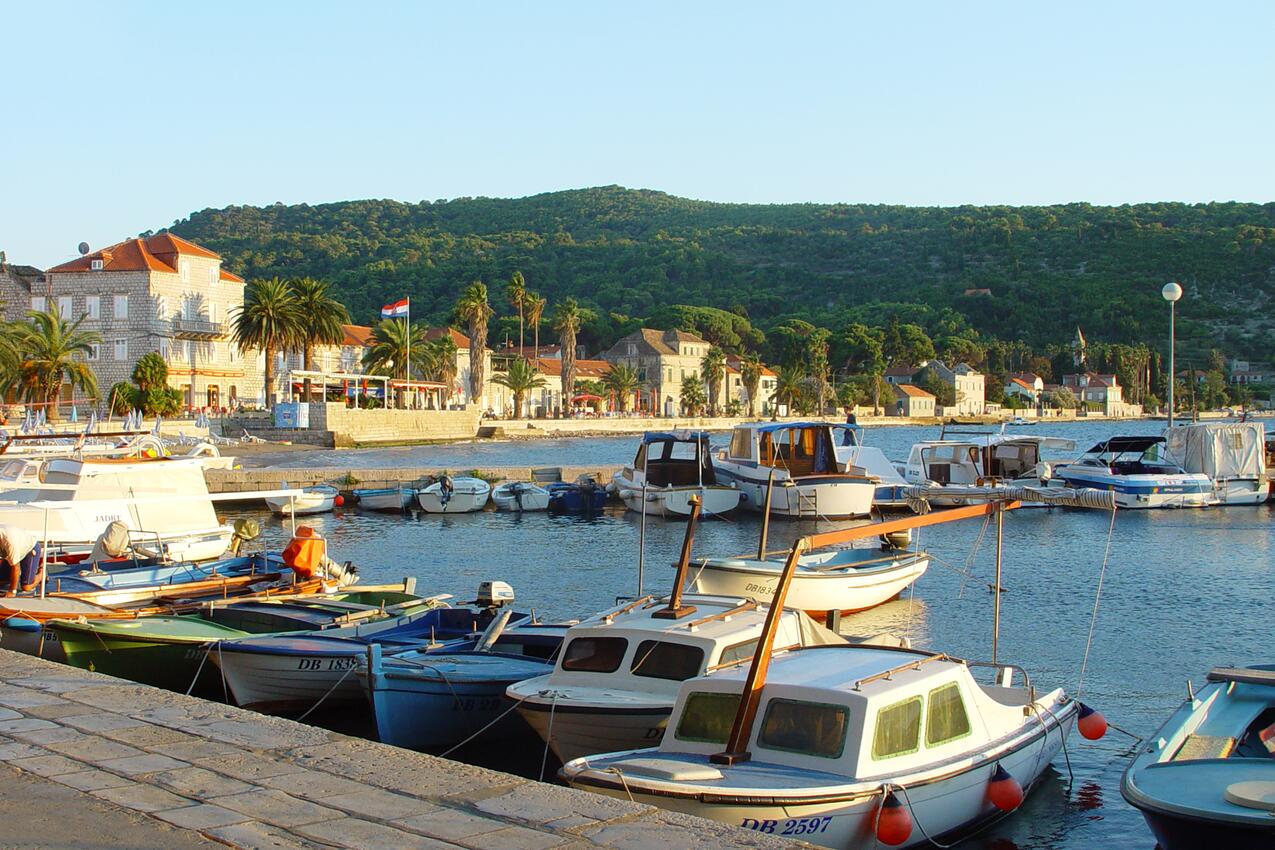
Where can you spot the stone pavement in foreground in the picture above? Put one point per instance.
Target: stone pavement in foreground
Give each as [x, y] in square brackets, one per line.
[251, 781]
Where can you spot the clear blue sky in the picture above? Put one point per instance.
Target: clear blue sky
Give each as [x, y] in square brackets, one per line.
[124, 117]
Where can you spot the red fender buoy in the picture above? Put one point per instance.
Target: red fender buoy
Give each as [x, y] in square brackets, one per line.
[1004, 791]
[894, 824]
[1091, 723]
[339, 501]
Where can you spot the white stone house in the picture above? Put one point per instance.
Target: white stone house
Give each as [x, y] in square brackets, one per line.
[160, 293]
[662, 359]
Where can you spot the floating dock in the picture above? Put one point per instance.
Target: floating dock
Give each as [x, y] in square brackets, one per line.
[251, 781]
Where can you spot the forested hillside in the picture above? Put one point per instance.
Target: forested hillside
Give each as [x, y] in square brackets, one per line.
[1011, 273]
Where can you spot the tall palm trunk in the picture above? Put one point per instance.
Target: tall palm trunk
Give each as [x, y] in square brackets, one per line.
[477, 356]
[568, 369]
[307, 362]
[269, 392]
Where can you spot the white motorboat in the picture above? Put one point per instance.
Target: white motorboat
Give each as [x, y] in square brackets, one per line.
[851, 746]
[520, 496]
[843, 580]
[617, 677]
[318, 499]
[1231, 454]
[395, 499]
[1136, 470]
[670, 469]
[849, 737]
[975, 458]
[872, 462]
[448, 495]
[77, 499]
[809, 481]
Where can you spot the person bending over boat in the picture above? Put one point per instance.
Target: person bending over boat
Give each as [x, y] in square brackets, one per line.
[20, 561]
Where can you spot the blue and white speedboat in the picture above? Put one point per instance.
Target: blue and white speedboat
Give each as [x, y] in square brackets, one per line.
[433, 700]
[1207, 778]
[1138, 472]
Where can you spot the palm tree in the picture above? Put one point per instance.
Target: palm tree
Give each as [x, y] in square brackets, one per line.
[268, 321]
[692, 397]
[713, 368]
[151, 371]
[622, 382]
[788, 385]
[323, 318]
[535, 310]
[474, 309]
[516, 291]
[817, 354]
[567, 320]
[390, 345]
[521, 379]
[44, 354]
[439, 363]
[750, 372]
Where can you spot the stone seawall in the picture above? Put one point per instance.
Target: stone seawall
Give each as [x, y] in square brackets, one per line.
[335, 426]
[251, 781]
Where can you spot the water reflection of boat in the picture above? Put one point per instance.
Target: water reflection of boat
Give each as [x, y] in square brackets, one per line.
[1207, 778]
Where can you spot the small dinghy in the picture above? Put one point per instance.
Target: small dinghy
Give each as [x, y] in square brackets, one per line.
[319, 499]
[459, 495]
[1207, 778]
[585, 496]
[395, 499]
[520, 496]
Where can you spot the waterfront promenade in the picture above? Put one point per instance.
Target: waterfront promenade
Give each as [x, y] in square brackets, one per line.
[245, 780]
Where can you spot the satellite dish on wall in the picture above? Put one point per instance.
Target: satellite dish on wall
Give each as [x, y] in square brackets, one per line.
[84, 248]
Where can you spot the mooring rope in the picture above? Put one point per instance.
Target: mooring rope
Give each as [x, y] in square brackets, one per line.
[1093, 620]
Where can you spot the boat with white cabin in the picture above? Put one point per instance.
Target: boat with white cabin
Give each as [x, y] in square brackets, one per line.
[670, 469]
[809, 481]
[856, 456]
[1137, 471]
[968, 459]
[454, 495]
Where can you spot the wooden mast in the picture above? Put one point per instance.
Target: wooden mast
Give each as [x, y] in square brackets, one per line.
[675, 609]
[750, 697]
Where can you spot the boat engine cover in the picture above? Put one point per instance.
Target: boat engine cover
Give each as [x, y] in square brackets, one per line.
[494, 594]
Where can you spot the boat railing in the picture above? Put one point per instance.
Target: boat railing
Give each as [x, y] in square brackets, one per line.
[721, 615]
[1003, 680]
[1242, 675]
[908, 665]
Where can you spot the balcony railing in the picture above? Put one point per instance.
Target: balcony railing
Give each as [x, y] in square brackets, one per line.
[198, 328]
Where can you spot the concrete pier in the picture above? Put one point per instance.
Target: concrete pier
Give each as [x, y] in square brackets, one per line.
[250, 781]
[350, 478]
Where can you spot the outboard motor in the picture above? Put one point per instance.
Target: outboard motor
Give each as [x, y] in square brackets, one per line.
[494, 595]
[587, 487]
[896, 539]
[246, 530]
[445, 488]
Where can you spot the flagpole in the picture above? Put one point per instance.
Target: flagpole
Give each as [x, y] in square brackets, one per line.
[409, 343]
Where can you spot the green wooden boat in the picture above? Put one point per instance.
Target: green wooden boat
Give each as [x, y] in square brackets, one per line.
[171, 651]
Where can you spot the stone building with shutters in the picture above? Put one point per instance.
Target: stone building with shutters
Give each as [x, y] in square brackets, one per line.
[159, 293]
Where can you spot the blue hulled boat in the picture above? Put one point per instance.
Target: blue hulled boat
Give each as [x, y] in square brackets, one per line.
[1207, 779]
[585, 496]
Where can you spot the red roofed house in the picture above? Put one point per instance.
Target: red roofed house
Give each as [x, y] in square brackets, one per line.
[910, 400]
[158, 293]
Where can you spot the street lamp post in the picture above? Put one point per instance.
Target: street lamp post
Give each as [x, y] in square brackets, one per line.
[1171, 292]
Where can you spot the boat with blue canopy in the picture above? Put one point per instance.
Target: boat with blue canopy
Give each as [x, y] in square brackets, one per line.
[1140, 474]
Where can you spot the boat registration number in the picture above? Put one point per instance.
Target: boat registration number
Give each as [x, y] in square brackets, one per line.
[791, 826]
[336, 664]
[759, 588]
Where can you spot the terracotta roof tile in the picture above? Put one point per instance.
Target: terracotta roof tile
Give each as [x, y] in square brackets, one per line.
[357, 335]
[913, 391]
[154, 253]
[462, 341]
[230, 276]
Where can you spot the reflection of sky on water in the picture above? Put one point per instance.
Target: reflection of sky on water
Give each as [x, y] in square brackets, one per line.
[1184, 591]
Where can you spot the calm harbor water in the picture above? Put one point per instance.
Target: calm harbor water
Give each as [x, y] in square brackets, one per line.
[1183, 591]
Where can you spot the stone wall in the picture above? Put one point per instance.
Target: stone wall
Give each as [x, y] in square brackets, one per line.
[333, 425]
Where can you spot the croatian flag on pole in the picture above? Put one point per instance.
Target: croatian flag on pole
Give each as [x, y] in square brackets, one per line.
[395, 310]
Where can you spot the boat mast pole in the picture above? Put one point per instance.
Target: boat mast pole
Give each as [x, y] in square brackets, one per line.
[675, 609]
[765, 517]
[996, 604]
[642, 525]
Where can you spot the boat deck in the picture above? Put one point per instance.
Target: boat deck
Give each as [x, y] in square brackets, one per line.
[248, 781]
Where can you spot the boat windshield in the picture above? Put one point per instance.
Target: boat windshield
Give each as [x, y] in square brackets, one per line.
[657, 659]
[707, 717]
[806, 728]
[594, 654]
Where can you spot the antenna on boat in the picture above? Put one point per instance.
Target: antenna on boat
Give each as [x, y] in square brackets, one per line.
[996, 604]
[765, 517]
[675, 609]
[750, 697]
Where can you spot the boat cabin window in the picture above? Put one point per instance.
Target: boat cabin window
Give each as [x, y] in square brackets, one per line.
[741, 444]
[808, 728]
[947, 719]
[898, 729]
[656, 659]
[707, 717]
[739, 652]
[594, 654]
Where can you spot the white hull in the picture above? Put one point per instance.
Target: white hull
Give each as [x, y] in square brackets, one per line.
[1143, 492]
[527, 498]
[941, 808]
[1242, 491]
[395, 500]
[308, 502]
[813, 591]
[828, 500]
[675, 502]
[459, 503]
[282, 683]
[577, 733]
